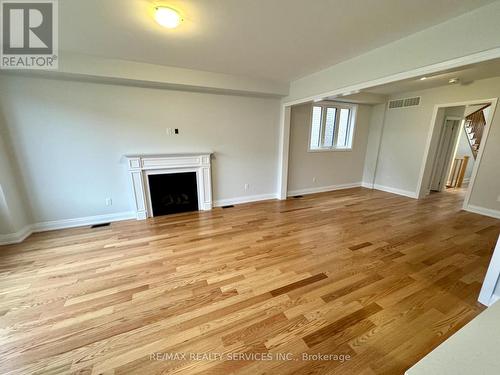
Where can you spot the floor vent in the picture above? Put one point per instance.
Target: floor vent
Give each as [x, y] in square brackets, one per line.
[403, 103]
[298, 196]
[228, 206]
[100, 225]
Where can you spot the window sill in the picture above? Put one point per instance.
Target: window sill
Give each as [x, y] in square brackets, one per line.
[330, 150]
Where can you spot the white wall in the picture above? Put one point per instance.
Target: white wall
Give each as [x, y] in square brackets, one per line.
[406, 132]
[69, 139]
[375, 131]
[331, 168]
[464, 149]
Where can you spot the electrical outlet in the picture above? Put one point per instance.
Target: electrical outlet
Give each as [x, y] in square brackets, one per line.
[109, 202]
[315, 179]
[247, 186]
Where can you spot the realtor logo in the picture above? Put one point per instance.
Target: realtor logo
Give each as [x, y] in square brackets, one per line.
[29, 34]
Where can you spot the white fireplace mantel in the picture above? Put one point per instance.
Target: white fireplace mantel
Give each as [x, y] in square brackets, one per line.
[140, 166]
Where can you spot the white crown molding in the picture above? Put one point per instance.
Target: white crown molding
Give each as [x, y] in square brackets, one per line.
[323, 189]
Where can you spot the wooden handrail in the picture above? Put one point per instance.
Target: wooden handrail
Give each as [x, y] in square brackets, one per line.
[474, 127]
[480, 109]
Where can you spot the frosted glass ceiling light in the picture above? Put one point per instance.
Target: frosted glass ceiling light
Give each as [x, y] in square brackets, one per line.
[167, 17]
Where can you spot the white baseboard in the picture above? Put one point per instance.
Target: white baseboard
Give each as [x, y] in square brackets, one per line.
[247, 199]
[20, 236]
[483, 211]
[322, 189]
[389, 189]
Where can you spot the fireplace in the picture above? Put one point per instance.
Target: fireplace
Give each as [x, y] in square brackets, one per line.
[172, 193]
[164, 184]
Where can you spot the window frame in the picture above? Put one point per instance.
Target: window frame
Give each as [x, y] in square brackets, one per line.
[351, 124]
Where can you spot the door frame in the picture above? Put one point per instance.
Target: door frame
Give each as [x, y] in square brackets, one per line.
[421, 188]
[448, 158]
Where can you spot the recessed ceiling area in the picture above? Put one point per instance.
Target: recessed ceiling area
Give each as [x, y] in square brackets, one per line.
[465, 75]
[280, 40]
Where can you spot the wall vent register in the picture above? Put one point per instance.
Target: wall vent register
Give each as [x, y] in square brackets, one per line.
[403, 103]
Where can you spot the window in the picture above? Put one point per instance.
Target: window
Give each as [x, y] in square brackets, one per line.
[332, 127]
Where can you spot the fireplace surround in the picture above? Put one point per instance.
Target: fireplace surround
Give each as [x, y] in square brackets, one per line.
[140, 167]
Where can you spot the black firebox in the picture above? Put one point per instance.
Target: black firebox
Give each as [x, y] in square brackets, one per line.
[172, 193]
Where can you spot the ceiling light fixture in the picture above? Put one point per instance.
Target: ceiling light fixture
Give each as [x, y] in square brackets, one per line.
[453, 80]
[423, 78]
[167, 17]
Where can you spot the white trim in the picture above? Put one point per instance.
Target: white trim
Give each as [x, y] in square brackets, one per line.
[141, 166]
[422, 190]
[455, 138]
[19, 236]
[388, 189]
[487, 296]
[426, 70]
[284, 150]
[482, 146]
[482, 211]
[6, 239]
[353, 109]
[82, 221]
[323, 189]
[246, 199]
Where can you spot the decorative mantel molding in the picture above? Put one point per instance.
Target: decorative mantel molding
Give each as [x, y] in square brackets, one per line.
[140, 166]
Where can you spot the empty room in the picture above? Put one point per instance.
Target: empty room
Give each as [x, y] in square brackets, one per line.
[249, 187]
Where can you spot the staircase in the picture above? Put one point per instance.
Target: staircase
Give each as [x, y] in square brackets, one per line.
[474, 127]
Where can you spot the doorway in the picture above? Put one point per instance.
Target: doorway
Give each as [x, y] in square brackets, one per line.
[444, 156]
[444, 161]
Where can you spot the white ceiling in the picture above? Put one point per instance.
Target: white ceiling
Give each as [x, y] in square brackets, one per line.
[275, 39]
[465, 74]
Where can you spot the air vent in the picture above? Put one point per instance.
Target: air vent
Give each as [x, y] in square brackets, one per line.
[396, 103]
[402, 103]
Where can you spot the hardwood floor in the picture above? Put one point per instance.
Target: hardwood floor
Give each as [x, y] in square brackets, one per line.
[378, 277]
